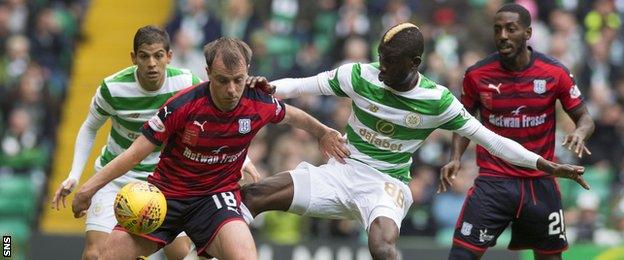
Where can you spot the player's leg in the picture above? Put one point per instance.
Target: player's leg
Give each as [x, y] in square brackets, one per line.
[179, 248]
[382, 237]
[216, 227]
[94, 243]
[382, 203]
[123, 245]
[489, 207]
[461, 252]
[540, 226]
[272, 193]
[100, 221]
[541, 256]
[233, 241]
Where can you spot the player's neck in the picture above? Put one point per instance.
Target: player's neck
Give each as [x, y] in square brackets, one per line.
[519, 62]
[408, 83]
[222, 106]
[149, 86]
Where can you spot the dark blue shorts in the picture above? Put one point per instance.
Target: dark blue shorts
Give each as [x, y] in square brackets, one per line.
[200, 217]
[532, 205]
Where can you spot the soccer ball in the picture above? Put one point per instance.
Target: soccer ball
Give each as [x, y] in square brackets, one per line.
[140, 207]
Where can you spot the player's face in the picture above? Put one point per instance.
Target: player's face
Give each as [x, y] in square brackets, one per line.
[393, 70]
[510, 35]
[226, 85]
[151, 61]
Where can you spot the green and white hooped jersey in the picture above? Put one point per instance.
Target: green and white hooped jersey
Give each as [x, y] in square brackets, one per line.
[129, 106]
[386, 126]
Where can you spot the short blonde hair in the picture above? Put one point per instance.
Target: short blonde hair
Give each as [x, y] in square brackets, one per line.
[397, 28]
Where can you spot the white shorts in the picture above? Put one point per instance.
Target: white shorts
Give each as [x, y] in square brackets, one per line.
[101, 213]
[353, 190]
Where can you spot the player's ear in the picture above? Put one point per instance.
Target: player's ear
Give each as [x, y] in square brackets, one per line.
[133, 57]
[527, 33]
[169, 56]
[416, 61]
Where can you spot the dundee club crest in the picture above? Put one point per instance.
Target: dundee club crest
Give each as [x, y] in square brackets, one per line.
[244, 125]
[539, 86]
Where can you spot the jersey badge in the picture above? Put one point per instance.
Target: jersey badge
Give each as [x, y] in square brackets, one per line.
[466, 229]
[575, 92]
[412, 120]
[539, 86]
[190, 135]
[156, 124]
[244, 125]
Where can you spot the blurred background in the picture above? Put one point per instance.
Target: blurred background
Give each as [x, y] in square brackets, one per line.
[54, 53]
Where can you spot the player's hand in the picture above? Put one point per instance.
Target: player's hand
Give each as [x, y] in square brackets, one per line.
[66, 187]
[572, 172]
[447, 174]
[260, 82]
[576, 144]
[81, 203]
[251, 171]
[332, 144]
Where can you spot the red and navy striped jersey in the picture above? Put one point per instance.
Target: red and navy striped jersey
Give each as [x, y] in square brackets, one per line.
[204, 147]
[519, 105]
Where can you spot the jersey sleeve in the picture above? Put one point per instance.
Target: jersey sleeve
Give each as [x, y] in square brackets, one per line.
[568, 92]
[453, 115]
[166, 122]
[338, 79]
[279, 111]
[469, 94]
[103, 102]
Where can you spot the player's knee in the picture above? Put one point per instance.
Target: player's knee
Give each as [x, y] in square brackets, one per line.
[382, 248]
[179, 252]
[91, 253]
[460, 253]
[242, 251]
[247, 252]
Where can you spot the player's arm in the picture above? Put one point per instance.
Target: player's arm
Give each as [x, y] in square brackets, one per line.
[450, 169]
[250, 173]
[324, 83]
[571, 100]
[139, 150]
[331, 142]
[470, 101]
[290, 87]
[516, 154]
[99, 111]
[575, 141]
[82, 149]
